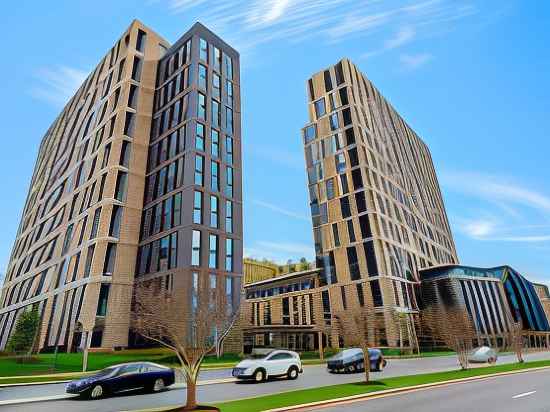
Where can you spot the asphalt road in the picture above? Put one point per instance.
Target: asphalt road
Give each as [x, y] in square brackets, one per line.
[524, 392]
[313, 376]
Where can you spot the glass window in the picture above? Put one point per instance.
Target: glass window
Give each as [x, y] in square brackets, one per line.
[217, 58]
[309, 133]
[215, 113]
[196, 248]
[125, 154]
[95, 223]
[129, 124]
[167, 214]
[214, 211]
[333, 120]
[215, 143]
[89, 259]
[120, 188]
[176, 212]
[213, 252]
[199, 170]
[203, 50]
[340, 163]
[229, 181]
[103, 299]
[173, 250]
[201, 106]
[229, 120]
[132, 96]
[228, 66]
[110, 256]
[195, 291]
[140, 41]
[136, 69]
[164, 250]
[203, 77]
[197, 208]
[320, 109]
[229, 93]
[216, 86]
[199, 137]
[229, 216]
[116, 217]
[214, 176]
[229, 150]
[229, 255]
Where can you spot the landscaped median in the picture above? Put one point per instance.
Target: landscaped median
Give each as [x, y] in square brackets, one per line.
[327, 393]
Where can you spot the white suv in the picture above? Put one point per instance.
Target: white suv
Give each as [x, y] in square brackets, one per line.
[275, 364]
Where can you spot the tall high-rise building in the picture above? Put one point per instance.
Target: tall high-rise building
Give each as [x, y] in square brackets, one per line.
[138, 178]
[377, 210]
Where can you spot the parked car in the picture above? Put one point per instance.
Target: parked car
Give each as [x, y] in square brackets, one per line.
[483, 354]
[124, 377]
[352, 360]
[276, 363]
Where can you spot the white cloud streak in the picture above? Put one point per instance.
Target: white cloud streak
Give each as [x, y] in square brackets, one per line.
[249, 23]
[414, 61]
[58, 84]
[516, 203]
[280, 210]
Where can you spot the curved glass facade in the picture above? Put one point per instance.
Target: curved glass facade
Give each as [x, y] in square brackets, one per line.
[521, 296]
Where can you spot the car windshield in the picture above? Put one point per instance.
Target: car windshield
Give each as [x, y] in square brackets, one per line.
[346, 353]
[110, 371]
[259, 355]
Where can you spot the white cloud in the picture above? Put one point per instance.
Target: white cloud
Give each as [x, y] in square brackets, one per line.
[497, 189]
[247, 23]
[414, 61]
[402, 37]
[58, 84]
[506, 206]
[280, 210]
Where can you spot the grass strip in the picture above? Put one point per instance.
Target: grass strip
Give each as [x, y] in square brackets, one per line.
[324, 393]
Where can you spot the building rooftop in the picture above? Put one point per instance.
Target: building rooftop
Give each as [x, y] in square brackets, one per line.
[285, 276]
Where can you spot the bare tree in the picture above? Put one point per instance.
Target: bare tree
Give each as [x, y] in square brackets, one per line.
[454, 328]
[357, 327]
[514, 336]
[190, 329]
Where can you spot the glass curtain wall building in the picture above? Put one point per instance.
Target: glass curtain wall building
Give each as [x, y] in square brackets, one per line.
[139, 175]
[377, 211]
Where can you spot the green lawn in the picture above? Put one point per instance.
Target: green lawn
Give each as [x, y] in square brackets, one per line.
[337, 391]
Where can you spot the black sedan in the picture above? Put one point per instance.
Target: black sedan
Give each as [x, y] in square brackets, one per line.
[353, 360]
[120, 378]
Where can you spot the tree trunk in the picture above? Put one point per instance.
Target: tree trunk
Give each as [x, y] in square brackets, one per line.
[366, 364]
[191, 402]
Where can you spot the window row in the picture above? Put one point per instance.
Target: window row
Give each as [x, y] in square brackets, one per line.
[213, 251]
[159, 255]
[165, 180]
[163, 216]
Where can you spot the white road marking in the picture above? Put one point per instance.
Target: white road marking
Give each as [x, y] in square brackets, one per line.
[521, 395]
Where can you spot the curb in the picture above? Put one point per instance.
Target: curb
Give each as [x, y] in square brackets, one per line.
[396, 391]
[9, 385]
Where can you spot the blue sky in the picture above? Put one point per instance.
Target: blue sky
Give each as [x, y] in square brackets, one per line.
[471, 77]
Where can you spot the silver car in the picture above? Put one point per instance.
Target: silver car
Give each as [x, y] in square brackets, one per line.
[483, 354]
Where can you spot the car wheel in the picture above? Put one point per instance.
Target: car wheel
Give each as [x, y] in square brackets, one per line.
[353, 368]
[158, 385]
[379, 366]
[96, 392]
[259, 375]
[292, 373]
